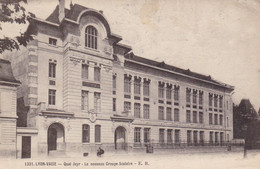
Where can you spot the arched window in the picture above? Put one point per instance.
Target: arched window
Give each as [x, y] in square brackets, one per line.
[85, 133]
[91, 37]
[97, 133]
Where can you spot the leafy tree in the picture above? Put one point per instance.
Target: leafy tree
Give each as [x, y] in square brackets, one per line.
[12, 11]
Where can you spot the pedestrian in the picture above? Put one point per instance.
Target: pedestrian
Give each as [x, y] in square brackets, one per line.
[100, 151]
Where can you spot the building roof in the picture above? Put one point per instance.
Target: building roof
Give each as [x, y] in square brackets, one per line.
[74, 12]
[174, 69]
[6, 73]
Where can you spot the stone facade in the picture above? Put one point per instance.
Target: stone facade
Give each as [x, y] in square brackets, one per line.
[8, 89]
[75, 113]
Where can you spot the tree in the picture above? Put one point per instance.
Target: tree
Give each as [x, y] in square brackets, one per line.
[245, 122]
[12, 11]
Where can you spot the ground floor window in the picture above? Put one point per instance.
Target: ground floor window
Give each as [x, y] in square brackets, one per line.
[189, 137]
[169, 136]
[146, 135]
[85, 133]
[177, 136]
[161, 136]
[137, 135]
[97, 133]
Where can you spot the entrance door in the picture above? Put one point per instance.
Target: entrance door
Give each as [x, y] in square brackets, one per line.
[52, 139]
[26, 146]
[120, 143]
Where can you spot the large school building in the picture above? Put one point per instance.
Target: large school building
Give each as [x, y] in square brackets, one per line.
[83, 89]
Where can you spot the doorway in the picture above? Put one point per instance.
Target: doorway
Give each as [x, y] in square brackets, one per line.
[120, 140]
[26, 146]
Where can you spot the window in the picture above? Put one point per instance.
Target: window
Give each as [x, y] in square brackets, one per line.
[137, 86]
[146, 135]
[84, 100]
[97, 102]
[220, 119]
[200, 98]
[52, 97]
[227, 105]
[187, 96]
[169, 136]
[215, 119]
[52, 41]
[227, 122]
[195, 137]
[97, 133]
[85, 133]
[177, 136]
[215, 101]
[91, 37]
[84, 71]
[161, 113]
[114, 104]
[189, 137]
[127, 106]
[146, 111]
[216, 137]
[161, 136]
[137, 110]
[97, 74]
[146, 88]
[221, 102]
[176, 115]
[137, 135]
[210, 100]
[114, 82]
[211, 137]
[210, 118]
[201, 137]
[169, 114]
[52, 69]
[201, 117]
[176, 94]
[194, 98]
[221, 138]
[161, 90]
[188, 116]
[195, 117]
[169, 93]
[127, 85]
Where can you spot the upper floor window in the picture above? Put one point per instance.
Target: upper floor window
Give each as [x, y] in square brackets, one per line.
[84, 71]
[221, 102]
[137, 110]
[97, 102]
[91, 37]
[137, 85]
[52, 97]
[210, 100]
[176, 93]
[176, 115]
[114, 82]
[161, 90]
[146, 88]
[52, 41]
[127, 84]
[146, 111]
[169, 92]
[52, 69]
[216, 101]
[97, 74]
[161, 113]
[188, 93]
[84, 100]
[127, 106]
[200, 98]
[194, 97]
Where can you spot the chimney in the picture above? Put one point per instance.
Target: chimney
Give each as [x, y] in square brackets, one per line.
[61, 10]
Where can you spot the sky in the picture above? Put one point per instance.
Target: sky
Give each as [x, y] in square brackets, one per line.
[213, 37]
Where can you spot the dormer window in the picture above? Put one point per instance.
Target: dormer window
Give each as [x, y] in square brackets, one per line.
[91, 37]
[53, 41]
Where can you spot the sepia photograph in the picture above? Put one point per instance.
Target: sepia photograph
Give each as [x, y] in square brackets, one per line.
[130, 84]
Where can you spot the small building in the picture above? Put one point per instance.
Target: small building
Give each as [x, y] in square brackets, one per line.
[85, 90]
[8, 117]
